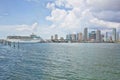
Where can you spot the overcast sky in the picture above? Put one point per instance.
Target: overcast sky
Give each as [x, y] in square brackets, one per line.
[49, 17]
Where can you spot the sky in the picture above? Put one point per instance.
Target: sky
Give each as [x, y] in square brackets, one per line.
[48, 17]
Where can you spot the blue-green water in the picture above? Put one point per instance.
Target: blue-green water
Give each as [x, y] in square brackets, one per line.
[84, 61]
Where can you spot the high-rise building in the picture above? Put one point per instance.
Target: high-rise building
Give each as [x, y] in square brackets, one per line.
[79, 37]
[92, 36]
[106, 36]
[51, 37]
[117, 36]
[73, 37]
[85, 34]
[98, 36]
[102, 38]
[56, 37]
[110, 38]
[114, 34]
[68, 37]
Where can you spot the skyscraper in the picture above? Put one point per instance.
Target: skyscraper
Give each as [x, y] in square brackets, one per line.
[73, 36]
[102, 38]
[114, 34]
[68, 37]
[92, 36]
[56, 37]
[51, 37]
[117, 36]
[106, 36]
[79, 37]
[85, 34]
[98, 36]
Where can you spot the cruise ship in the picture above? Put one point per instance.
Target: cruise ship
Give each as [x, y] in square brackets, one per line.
[25, 39]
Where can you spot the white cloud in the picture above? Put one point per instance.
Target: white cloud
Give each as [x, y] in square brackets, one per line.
[69, 3]
[41, 30]
[105, 23]
[27, 27]
[50, 6]
[104, 4]
[57, 15]
[107, 10]
[112, 16]
[7, 30]
[60, 3]
[71, 19]
[83, 13]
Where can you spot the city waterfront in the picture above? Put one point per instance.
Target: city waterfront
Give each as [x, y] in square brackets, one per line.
[60, 61]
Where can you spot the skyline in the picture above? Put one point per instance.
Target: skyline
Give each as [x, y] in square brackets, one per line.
[88, 36]
[48, 17]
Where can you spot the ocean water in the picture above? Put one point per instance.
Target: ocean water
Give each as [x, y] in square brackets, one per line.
[60, 61]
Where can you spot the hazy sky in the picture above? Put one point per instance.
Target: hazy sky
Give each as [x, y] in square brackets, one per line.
[48, 17]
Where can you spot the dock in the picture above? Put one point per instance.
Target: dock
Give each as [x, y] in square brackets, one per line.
[9, 43]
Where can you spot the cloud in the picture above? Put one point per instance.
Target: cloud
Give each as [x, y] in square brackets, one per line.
[110, 16]
[71, 17]
[104, 4]
[69, 3]
[57, 15]
[74, 15]
[105, 23]
[45, 31]
[50, 6]
[107, 10]
[27, 27]
[7, 30]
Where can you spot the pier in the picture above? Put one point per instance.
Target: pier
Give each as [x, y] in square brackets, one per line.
[10, 43]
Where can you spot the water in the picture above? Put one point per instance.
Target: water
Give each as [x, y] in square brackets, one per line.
[84, 61]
